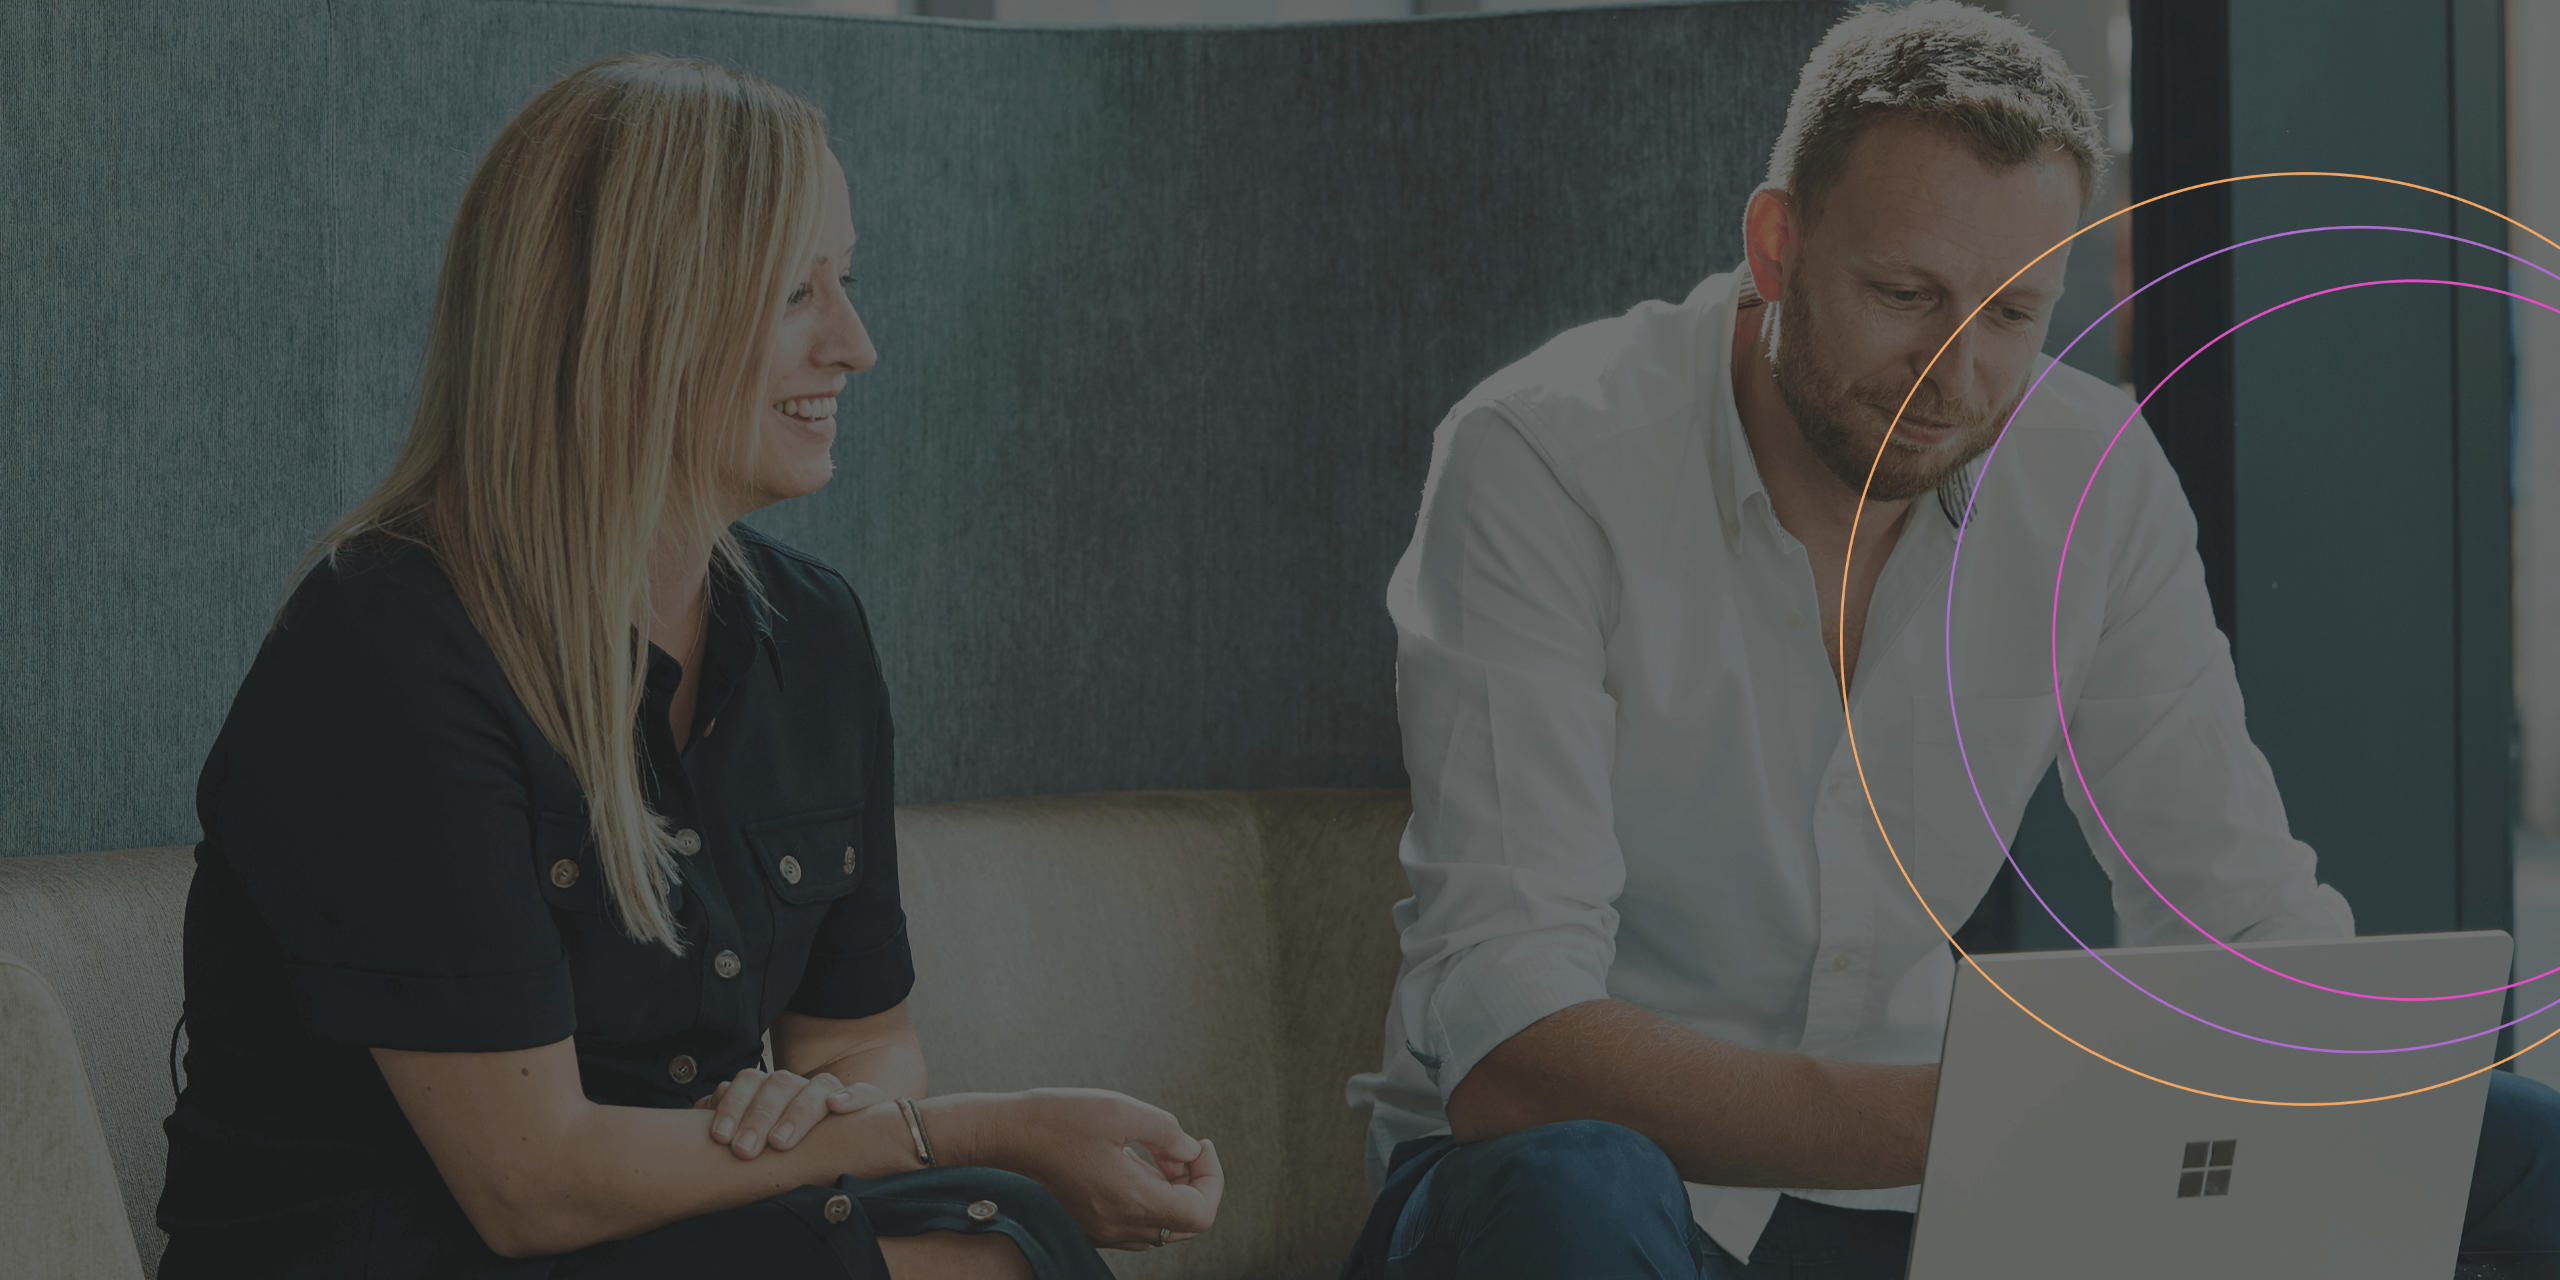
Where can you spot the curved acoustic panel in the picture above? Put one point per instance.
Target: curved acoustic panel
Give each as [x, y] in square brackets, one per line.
[1166, 319]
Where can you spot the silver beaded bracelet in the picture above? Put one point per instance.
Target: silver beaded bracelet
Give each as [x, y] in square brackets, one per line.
[915, 1129]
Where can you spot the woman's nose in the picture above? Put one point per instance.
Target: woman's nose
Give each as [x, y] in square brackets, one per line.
[848, 342]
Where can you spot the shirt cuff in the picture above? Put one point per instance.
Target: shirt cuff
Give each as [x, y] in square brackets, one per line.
[463, 1013]
[1499, 986]
[856, 984]
[2321, 914]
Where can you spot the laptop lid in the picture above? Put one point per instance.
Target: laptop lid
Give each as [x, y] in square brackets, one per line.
[2044, 1160]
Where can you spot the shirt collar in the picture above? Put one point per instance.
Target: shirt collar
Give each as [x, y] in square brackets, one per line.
[1736, 474]
[759, 614]
[730, 601]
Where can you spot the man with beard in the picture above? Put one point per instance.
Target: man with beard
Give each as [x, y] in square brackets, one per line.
[1668, 1007]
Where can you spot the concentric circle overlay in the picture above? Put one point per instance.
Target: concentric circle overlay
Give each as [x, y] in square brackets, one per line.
[2063, 712]
[2055, 635]
[1851, 729]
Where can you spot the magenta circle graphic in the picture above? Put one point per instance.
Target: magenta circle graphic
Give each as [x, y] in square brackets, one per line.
[2054, 638]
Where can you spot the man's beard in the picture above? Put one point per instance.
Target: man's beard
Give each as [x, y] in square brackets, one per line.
[1830, 413]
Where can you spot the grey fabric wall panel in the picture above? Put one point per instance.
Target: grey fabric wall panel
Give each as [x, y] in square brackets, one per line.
[168, 411]
[1166, 317]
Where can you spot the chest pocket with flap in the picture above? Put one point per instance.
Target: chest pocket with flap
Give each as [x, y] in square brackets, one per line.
[810, 858]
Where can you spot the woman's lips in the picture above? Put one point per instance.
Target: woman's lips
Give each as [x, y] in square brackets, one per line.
[819, 428]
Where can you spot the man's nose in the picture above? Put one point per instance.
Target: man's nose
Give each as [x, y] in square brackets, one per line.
[1948, 363]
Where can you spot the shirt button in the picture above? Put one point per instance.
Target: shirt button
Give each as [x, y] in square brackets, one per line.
[839, 1207]
[564, 873]
[681, 1070]
[688, 842]
[848, 859]
[981, 1210]
[1840, 963]
[790, 868]
[726, 964]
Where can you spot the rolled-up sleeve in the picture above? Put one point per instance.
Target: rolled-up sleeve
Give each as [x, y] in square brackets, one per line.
[374, 809]
[2159, 735]
[1502, 605]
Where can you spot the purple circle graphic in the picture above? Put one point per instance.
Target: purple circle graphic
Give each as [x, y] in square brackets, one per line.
[2061, 711]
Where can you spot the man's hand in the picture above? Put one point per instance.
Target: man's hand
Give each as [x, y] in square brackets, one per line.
[758, 1109]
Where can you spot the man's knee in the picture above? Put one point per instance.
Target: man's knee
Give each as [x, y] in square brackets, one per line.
[1573, 1199]
[1579, 1175]
[2520, 1126]
[2516, 1180]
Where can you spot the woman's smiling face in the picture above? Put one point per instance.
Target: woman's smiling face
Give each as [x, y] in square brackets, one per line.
[817, 341]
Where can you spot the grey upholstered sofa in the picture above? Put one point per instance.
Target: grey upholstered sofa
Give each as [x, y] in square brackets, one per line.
[1225, 954]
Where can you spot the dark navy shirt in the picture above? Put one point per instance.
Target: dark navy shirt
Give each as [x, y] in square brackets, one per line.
[394, 856]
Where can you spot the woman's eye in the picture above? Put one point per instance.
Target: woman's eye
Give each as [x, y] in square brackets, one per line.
[801, 294]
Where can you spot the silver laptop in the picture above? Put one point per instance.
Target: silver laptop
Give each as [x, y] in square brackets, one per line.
[2045, 1161]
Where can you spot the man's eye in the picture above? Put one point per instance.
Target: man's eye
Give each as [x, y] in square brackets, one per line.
[2015, 316]
[1903, 295]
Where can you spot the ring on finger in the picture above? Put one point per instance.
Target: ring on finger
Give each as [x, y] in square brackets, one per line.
[1164, 1236]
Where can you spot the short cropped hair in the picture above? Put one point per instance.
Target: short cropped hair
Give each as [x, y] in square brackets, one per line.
[1987, 78]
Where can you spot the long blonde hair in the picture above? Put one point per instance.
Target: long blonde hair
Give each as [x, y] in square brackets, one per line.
[592, 370]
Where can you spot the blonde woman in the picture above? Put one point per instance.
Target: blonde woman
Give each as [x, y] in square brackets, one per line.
[554, 790]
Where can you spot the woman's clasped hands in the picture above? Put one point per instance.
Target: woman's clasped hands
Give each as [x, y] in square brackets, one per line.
[756, 1109]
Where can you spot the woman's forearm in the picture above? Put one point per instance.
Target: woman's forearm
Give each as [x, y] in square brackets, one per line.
[896, 1069]
[622, 1171]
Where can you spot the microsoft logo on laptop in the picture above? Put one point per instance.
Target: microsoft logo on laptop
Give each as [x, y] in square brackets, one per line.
[2207, 1169]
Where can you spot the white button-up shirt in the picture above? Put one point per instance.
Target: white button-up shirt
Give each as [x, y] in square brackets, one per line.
[1630, 777]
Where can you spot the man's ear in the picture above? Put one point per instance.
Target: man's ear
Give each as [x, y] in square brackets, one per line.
[1768, 240]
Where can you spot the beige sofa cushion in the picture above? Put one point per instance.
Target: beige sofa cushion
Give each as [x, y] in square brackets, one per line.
[1226, 955]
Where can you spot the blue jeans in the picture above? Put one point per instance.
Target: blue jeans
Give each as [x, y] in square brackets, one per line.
[1598, 1201]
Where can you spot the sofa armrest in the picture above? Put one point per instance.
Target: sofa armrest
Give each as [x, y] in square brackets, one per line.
[59, 1207]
